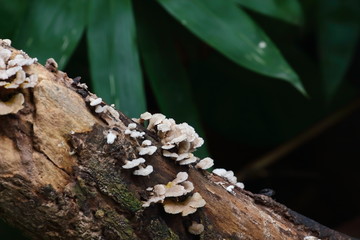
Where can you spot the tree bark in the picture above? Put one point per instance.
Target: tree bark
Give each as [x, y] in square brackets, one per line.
[59, 179]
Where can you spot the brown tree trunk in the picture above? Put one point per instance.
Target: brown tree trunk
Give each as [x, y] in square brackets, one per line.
[60, 179]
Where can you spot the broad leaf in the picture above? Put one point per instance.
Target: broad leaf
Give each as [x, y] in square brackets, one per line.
[287, 10]
[231, 31]
[115, 67]
[166, 73]
[11, 12]
[52, 29]
[339, 27]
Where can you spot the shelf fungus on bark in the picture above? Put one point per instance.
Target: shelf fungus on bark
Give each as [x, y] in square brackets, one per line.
[13, 76]
[196, 228]
[189, 206]
[13, 105]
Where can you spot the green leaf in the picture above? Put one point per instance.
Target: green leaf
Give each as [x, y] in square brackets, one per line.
[339, 27]
[287, 10]
[231, 31]
[167, 75]
[115, 66]
[52, 29]
[11, 12]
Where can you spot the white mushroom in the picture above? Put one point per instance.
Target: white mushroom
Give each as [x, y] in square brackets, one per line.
[136, 134]
[196, 228]
[149, 150]
[219, 171]
[99, 109]
[240, 185]
[188, 161]
[187, 207]
[155, 120]
[144, 171]
[230, 188]
[94, 102]
[133, 163]
[146, 116]
[132, 126]
[189, 186]
[180, 177]
[159, 189]
[205, 163]
[168, 146]
[183, 156]
[170, 154]
[110, 137]
[13, 105]
[174, 190]
[146, 143]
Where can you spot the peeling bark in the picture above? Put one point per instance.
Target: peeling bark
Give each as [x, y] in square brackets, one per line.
[59, 179]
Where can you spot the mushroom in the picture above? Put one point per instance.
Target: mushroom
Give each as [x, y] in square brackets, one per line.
[189, 206]
[149, 150]
[229, 175]
[110, 137]
[131, 126]
[133, 163]
[155, 119]
[146, 143]
[20, 60]
[196, 228]
[174, 190]
[189, 186]
[205, 163]
[136, 134]
[145, 116]
[240, 185]
[180, 177]
[170, 154]
[94, 102]
[188, 160]
[13, 105]
[230, 188]
[144, 171]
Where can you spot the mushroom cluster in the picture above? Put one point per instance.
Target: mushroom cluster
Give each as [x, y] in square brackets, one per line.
[13, 76]
[179, 141]
[167, 194]
[176, 188]
[100, 107]
[229, 176]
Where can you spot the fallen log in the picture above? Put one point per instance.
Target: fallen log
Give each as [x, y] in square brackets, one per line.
[72, 167]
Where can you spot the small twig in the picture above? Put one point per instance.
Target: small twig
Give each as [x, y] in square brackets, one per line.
[299, 140]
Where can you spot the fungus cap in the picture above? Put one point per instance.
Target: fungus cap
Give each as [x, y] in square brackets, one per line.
[149, 150]
[180, 177]
[133, 163]
[144, 171]
[146, 116]
[205, 163]
[196, 228]
[110, 137]
[13, 105]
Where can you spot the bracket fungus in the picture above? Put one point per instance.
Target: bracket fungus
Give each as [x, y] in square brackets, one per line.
[13, 105]
[13, 76]
[133, 163]
[110, 137]
[205, 163]
[189, 206]
[196, 228]
[144, 171]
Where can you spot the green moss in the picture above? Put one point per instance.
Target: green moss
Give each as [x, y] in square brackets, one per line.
[160, 231]
[119, 225]
[111, 184]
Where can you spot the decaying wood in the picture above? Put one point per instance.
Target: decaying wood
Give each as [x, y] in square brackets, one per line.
[59, 179]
